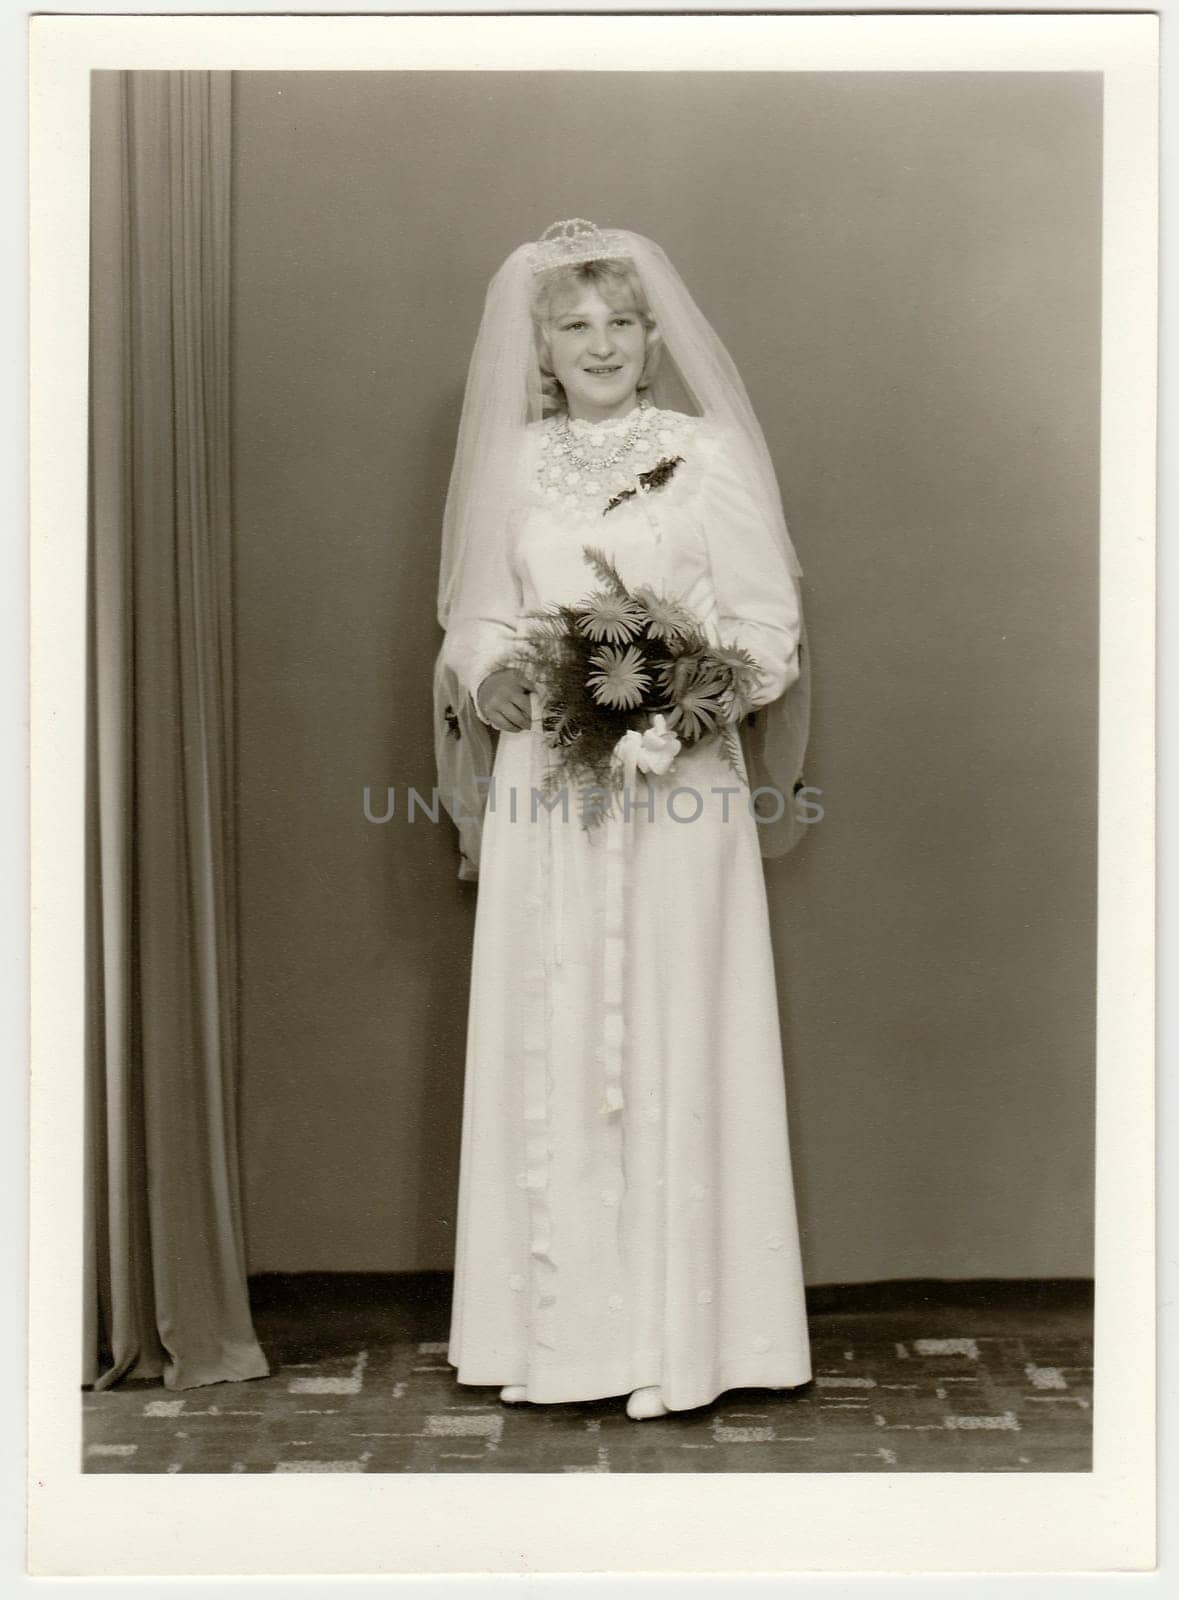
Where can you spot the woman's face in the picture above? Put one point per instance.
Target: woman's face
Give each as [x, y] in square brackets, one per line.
[597, 353]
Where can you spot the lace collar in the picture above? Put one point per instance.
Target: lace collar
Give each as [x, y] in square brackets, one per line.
[581, 481]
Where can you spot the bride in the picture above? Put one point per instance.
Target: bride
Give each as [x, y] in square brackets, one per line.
[626, 1220]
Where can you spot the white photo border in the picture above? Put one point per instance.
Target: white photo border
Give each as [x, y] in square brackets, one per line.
[100, 1524]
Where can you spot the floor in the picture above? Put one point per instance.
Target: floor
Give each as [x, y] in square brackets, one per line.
[909, 1377]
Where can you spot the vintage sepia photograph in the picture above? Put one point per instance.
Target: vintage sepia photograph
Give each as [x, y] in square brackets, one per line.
[593, 672]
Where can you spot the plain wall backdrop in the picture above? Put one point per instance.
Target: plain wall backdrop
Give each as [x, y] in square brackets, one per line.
[906, 268]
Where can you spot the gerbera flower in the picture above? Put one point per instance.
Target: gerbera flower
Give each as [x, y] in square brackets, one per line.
[678, 674]
[744, 672]
[700, 707]
[666, 619]
[610, 618]
[619, 679]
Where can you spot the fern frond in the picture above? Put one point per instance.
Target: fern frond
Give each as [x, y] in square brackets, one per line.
[731, 743]
[607, 573]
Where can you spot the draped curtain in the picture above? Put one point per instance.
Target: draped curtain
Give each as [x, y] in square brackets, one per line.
[167, 1293]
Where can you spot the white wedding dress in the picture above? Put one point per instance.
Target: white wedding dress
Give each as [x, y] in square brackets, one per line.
[626, 1211]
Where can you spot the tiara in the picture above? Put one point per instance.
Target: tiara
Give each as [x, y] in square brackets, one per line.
[566, 243]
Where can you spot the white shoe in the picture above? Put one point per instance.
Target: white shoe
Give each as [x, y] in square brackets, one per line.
[646, 1403]
[513, 1393]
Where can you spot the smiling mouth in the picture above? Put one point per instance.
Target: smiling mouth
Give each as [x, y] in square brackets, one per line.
[602, 372]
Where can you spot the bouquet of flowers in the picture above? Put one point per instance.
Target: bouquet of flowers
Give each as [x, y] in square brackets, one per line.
[626, 679]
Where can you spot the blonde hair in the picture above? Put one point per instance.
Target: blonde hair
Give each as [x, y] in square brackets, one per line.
[619, 285]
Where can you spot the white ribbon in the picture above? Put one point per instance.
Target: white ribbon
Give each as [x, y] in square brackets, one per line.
[652, 752]
[536, 1044]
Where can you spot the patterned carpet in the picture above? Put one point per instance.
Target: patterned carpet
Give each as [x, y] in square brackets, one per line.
[912, 1377]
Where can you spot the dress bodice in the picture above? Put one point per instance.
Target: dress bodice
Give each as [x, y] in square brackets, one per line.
[585, 488]
[663, 496]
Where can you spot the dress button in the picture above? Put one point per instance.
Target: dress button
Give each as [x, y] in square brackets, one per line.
[516, 1282]
[761, 1344]
[608, 1197]
[704, 1298]
[775, 1241]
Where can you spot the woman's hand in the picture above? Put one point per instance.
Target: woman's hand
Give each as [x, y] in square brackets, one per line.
[503, 700]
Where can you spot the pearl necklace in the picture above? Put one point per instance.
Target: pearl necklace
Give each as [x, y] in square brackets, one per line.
[568, 449]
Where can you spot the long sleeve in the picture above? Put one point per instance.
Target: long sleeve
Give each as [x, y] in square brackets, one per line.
[484, 624]
[757, 597]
